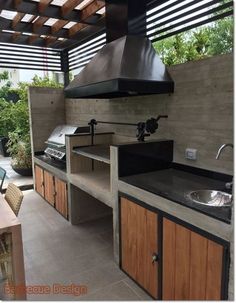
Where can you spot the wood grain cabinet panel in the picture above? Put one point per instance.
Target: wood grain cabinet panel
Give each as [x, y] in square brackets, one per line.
[49, 188]
[138, 244]
[61, 200]
[52, 189]
[192, 265]
[39, 180]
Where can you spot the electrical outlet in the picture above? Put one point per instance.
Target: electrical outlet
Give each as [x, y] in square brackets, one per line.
[191, 154]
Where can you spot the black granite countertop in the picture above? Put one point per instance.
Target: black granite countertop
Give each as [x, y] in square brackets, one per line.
[173, 184]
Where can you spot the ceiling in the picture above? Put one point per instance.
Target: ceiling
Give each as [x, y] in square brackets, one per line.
[57, 24]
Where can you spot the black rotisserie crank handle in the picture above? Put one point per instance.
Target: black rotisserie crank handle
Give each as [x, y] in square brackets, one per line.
[161, 116]
[144, 129]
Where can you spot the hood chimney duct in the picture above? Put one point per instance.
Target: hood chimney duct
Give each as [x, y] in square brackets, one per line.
[125, 17]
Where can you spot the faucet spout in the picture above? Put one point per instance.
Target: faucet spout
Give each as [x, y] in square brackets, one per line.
[223, 147]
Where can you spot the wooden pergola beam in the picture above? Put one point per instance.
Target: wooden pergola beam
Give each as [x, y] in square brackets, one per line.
[58, 25]
[15, 36]
[68, 6]
[38, 29]
[43, 4]
[91, 9]
[49, 40]
[85, 13]
[39, 23]
[76, 28]
[32, 38]
[17, 19]
[51, 11]
[17, 2]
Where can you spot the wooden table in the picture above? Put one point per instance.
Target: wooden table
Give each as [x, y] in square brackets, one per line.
[9, 223]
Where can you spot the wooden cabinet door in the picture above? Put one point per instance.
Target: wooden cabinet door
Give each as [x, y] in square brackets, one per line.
[39, 180]
[139, 244]
[61, 201]
[192, 264]
[49, 190]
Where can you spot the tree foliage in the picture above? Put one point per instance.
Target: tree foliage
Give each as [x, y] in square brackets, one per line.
[207, 41]
[14, 119]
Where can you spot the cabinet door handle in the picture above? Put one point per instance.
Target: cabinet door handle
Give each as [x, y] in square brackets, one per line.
[155, 258]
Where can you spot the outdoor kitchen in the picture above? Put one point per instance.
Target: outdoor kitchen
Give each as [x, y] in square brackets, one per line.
[132, 162]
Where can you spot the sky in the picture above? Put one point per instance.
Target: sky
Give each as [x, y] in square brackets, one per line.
[27, 75]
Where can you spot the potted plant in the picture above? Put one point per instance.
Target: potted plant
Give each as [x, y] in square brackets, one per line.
[20, 150]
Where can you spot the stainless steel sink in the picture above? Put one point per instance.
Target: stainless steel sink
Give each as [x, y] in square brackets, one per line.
[211, 198]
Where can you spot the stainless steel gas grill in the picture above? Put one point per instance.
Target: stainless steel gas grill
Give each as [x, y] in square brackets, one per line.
[55, 152]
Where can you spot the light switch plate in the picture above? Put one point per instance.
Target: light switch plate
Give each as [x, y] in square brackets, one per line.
[191, 154]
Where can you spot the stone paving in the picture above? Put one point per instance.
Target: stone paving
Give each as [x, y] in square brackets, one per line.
[12, 176]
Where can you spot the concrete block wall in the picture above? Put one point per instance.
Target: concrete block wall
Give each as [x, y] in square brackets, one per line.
[47, 110]
[200, 111]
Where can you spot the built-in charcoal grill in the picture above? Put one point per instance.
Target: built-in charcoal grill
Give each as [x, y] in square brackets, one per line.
[55, 151]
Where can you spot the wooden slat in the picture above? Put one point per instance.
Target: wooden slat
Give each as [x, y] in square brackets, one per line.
[140, 244]
[43, 4]
[32, 38]
[17, 3]
[214, 271]
[50, 40]
[198, 266]
[17, 19]
[15, 36]
[39, 23]
[58, 25]
[182, 266]
[128, 234]
[39, 180]
[76, 28]
[91, 9]
[169, 259]
[69, 5]
[85, 13]
[61, 201]
[49, 188]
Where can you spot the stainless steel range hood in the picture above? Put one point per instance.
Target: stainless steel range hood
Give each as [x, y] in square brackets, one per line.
[126, 66]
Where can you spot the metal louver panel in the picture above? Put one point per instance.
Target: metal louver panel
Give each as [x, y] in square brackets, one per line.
[173, 17]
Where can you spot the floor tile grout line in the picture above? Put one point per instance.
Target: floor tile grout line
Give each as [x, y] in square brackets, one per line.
[133, 289]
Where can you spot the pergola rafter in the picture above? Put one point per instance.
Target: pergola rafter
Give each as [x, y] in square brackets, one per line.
[43, 4]
[51, 11]
[47, 24]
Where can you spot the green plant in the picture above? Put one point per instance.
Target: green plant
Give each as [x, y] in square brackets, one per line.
[18, 113]
[207, 41]
[6, 118]
[20, 149]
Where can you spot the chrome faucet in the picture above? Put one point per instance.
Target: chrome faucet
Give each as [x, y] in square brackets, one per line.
[228, 185]
[221, 148]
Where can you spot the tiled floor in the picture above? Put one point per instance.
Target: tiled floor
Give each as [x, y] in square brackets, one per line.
[57, 252]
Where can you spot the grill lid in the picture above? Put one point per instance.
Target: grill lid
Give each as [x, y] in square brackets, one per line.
[58, 136]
